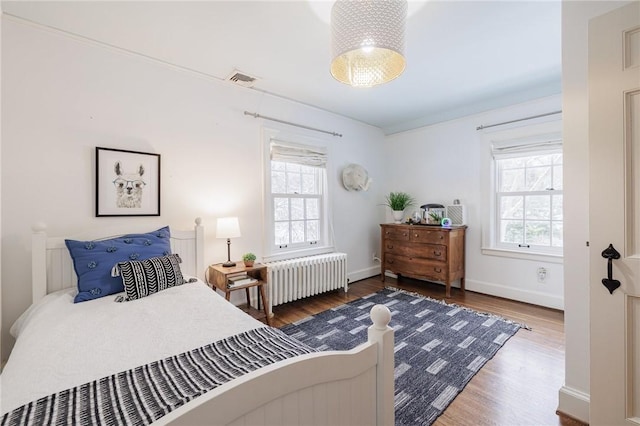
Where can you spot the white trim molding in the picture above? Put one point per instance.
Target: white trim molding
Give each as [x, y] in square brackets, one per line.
[527, 296]
[362, 274]
[492, 289]
[574, 403]
[537, 257]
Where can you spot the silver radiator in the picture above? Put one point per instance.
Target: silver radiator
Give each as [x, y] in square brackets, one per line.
[306, 276]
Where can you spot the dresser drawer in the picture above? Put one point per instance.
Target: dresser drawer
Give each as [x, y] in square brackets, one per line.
[428, 236]
[429, 269]
[425, 251]
[397, 234]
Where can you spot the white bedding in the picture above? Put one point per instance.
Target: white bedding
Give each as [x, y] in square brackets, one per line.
[61, 344]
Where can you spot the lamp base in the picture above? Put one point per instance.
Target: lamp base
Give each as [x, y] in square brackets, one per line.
[229, 264]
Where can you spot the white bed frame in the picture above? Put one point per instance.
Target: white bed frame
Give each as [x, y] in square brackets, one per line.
[353, 387]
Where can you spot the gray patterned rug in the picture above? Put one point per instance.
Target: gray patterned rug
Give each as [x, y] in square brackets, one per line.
[438, 347]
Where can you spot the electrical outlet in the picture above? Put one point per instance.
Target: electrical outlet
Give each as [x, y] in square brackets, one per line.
[542, 274]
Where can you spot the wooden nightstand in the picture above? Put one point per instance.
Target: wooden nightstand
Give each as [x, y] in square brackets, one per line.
[218, 277]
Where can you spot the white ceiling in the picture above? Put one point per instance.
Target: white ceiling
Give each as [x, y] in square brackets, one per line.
[463, 57]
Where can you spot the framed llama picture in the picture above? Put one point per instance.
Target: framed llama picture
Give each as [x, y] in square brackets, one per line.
[127, 183]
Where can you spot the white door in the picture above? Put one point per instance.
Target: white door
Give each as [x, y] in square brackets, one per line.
[614, 216]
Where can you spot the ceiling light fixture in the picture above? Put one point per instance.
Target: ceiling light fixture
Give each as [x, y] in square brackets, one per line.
[367, 41]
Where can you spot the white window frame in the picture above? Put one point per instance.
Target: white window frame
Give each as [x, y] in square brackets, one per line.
[320, 178]
[498, 195]
[532, 135]
[272, 252]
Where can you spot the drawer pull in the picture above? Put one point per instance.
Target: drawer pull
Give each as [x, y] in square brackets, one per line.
[390, 261]
[438, 270]
[437, 253]
[441, 237]
[389, 246]
[416, 235]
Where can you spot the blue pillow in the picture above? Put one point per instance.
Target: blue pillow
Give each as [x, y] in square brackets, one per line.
[93, 260]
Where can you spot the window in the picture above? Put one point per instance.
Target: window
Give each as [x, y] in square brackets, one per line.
[528, 196]
[297, 196]
[296, 200]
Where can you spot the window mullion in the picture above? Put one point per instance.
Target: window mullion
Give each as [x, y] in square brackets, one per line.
[289, 221]
[304, 219]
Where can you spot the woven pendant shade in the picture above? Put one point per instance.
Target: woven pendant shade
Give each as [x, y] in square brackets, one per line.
[367, 41]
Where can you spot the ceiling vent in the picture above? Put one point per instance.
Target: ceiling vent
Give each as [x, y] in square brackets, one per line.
[241, 79]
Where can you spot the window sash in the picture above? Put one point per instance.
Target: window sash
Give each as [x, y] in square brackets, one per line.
[528, 223]
[306, 180]
[521, 230]
[553, 167]
[306, 220]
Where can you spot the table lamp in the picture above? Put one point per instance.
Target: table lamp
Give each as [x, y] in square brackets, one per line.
[228, 227]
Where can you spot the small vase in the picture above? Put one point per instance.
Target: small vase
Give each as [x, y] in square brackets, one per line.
[248, 263]
[398, 215]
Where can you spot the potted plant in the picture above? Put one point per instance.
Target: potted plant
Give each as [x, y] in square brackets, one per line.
[398, 202]
[248, 259]
[434, 219]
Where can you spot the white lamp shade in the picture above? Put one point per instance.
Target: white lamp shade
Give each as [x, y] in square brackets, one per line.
[227, 227]
[367, 41]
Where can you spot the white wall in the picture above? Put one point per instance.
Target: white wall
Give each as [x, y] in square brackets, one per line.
[1, 322]
[450, 160]
[574, 395]
[63, 96]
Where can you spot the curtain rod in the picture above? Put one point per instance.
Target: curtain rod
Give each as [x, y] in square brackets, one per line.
[255, 115]
[519, 119]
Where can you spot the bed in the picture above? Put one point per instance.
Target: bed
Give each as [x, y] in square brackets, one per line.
[103, 352]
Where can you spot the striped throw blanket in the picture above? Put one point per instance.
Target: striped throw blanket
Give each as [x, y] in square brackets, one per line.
[144, 394]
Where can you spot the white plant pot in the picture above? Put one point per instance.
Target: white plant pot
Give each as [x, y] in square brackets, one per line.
[398, 215]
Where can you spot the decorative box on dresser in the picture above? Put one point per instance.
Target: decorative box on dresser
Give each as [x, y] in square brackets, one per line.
[433, 253]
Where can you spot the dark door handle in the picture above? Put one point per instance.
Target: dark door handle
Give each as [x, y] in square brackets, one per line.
[610, 253]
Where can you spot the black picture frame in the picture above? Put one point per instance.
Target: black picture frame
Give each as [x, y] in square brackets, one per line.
[127, 183]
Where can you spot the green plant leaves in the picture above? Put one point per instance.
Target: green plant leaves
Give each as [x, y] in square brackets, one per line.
[398, 200]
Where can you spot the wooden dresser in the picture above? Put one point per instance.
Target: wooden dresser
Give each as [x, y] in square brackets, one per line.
[433, 253]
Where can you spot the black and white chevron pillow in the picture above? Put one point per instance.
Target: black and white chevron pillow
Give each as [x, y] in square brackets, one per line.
[144, 277]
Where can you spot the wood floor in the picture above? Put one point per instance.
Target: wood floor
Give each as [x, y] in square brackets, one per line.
[518, 386]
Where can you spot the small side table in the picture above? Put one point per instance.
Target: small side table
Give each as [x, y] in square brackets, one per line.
[218, 277]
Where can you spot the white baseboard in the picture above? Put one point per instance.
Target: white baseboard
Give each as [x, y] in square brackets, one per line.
[527, 296]
[574, 403]
[363, 274]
